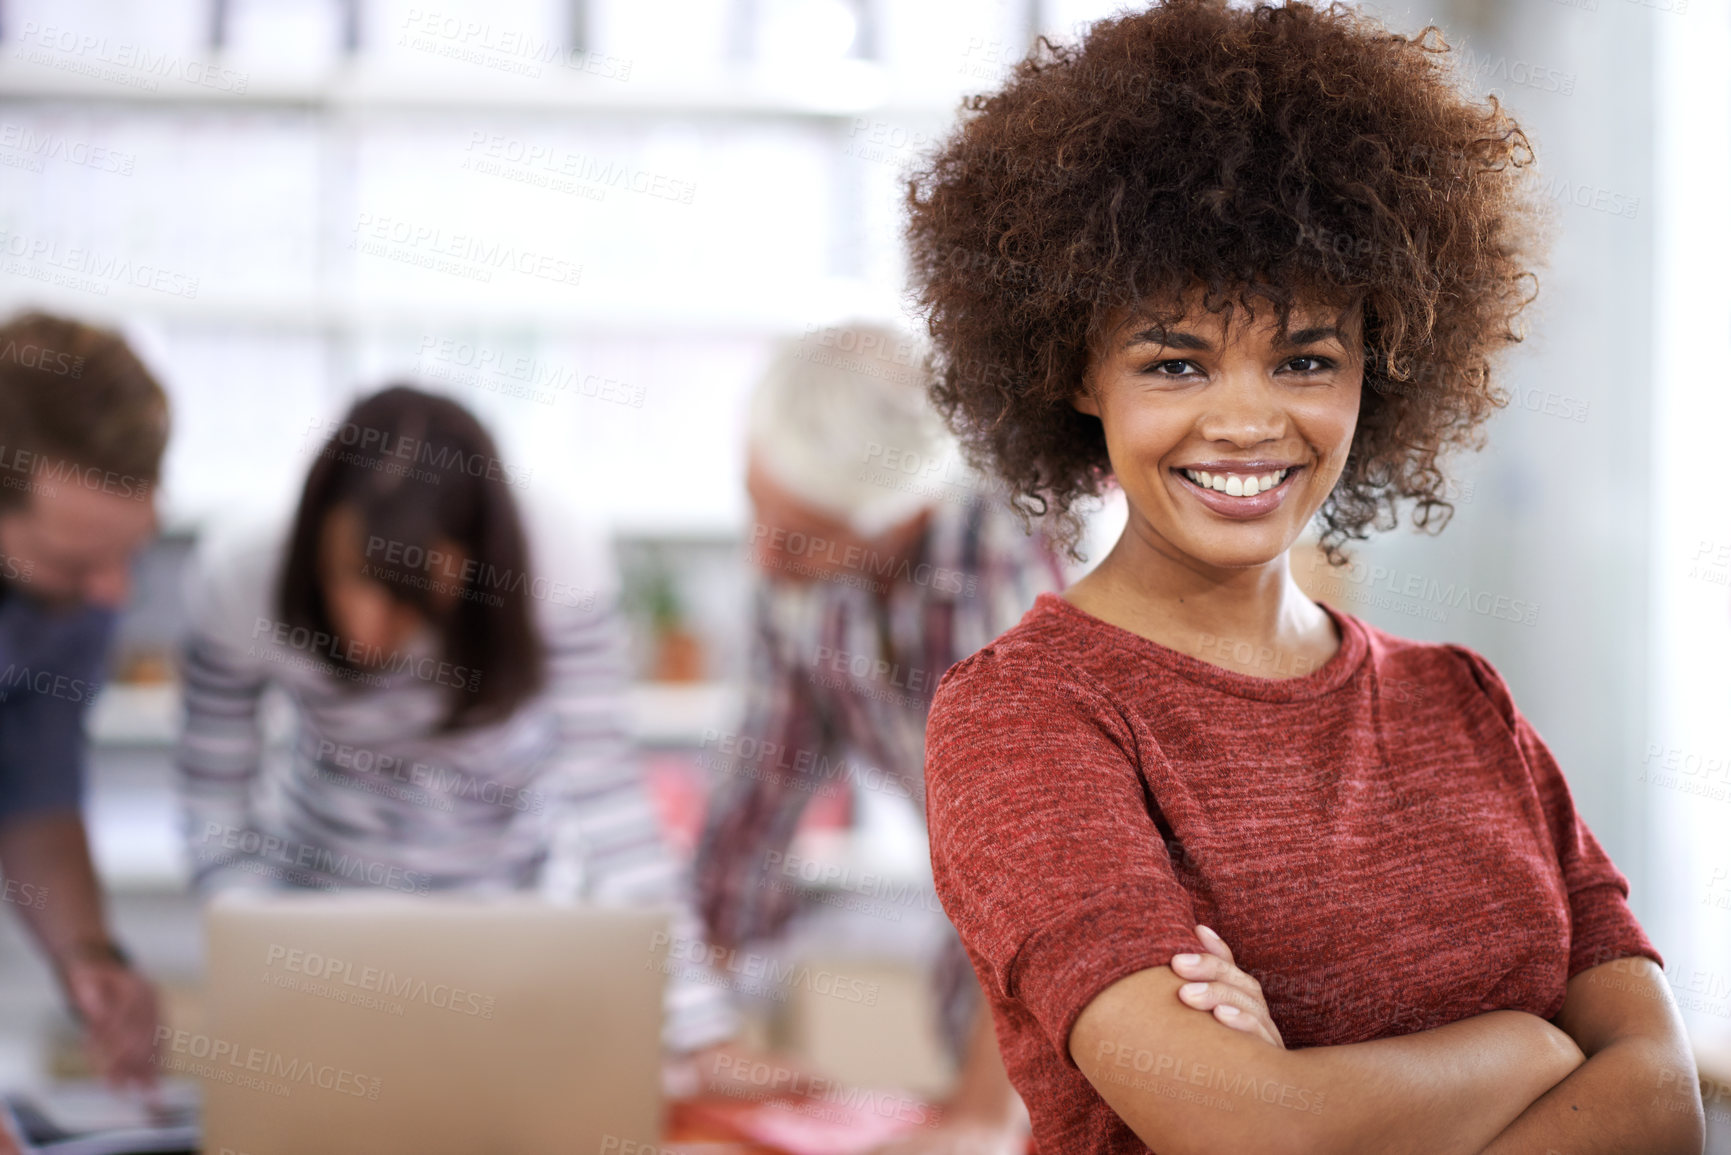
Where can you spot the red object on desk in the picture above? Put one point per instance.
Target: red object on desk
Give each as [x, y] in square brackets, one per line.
[843, 1124]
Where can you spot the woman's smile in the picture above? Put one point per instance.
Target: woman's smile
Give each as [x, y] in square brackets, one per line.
[1254, 489]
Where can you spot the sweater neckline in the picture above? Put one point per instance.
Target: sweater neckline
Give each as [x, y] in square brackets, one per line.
[1331, 675]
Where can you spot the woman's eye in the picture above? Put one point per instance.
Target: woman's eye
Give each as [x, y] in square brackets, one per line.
[1310, 364]
[1168, 368]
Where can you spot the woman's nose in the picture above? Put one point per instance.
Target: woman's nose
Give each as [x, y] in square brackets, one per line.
[1243, 408]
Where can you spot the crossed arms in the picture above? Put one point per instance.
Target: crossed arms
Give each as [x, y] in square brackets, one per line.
[1614, 1074]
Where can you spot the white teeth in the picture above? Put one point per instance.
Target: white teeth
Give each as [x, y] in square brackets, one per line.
[1236, 485]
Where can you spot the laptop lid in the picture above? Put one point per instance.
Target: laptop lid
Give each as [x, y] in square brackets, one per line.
[374, 1023]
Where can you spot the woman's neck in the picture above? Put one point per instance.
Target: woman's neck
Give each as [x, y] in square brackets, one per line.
[1255, 619]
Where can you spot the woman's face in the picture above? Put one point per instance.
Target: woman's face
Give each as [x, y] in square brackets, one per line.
[1215, 403]
[365, 615]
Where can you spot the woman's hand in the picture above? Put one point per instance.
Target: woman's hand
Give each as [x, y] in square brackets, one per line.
[1214, 983]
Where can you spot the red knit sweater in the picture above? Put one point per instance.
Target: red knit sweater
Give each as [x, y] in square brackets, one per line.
[1384, 842]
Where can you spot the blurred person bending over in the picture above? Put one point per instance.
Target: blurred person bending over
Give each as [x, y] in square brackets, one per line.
[83, 425]
[877, 552]
[456, 674]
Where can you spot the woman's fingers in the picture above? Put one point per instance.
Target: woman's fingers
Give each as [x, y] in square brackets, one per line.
[1213, 968]
[1232, 1007]
[1215, 944]
[1218, 985]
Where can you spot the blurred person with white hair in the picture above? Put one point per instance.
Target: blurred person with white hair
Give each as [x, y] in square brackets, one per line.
[882, 560]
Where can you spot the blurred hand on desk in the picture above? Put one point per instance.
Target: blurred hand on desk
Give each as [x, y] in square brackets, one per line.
[118, 1007]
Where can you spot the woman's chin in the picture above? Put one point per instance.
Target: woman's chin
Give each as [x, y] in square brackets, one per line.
[1237, 549]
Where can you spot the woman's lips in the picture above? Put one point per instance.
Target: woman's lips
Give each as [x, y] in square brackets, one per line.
[1240, 508]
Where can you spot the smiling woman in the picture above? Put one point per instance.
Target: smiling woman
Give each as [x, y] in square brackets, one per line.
[1252, 267]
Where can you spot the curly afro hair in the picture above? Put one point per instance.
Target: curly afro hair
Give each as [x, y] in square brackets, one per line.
[1281, 154]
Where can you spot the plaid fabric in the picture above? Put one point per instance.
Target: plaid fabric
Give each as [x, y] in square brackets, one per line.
[842, 671]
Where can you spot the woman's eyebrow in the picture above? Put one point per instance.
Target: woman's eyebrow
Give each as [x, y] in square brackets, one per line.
[1311, 336]
[1169, 340]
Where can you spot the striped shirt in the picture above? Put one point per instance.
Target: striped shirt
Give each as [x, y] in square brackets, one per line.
[841, 674]
[368, 794]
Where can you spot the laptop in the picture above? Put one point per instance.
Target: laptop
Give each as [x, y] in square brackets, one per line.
[375, 1023]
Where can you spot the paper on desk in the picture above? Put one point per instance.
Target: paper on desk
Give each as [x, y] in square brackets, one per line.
[80, 1107]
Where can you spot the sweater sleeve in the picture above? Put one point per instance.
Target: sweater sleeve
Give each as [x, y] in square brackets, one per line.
[220, 745]
[1602, 927]
[1045, 849]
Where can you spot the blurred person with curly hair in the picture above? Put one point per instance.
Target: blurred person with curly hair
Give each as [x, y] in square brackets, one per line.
[1253, 268]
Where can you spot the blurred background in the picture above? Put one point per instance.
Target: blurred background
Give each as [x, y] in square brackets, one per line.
[286, 203]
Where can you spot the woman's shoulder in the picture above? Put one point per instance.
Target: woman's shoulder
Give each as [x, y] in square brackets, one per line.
[1434, 666]
[570, 555]
[232, 579]
[1041, 655]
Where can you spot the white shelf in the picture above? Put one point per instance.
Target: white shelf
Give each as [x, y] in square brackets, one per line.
[842, 89]
[697, 312]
